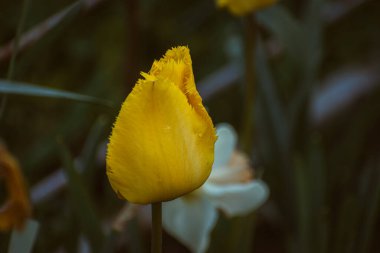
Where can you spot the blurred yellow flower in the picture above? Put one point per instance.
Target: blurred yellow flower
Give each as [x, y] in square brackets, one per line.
[162, 143]
[16, 209]
[243, 7]
[230, 188]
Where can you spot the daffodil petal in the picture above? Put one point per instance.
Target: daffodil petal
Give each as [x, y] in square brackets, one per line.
[161, 147]
[224, 145]
[237, 199]
[190, 220]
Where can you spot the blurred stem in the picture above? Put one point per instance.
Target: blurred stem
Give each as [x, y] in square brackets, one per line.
[156, 227]
[372, 213]
[347, 224]
[136, 244]
[16, 42]
[249, 100]
[247, 224]
[133, 39]
[242, 234]
[303, 211]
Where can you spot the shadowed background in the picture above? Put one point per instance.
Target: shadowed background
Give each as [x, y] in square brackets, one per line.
[315, 123]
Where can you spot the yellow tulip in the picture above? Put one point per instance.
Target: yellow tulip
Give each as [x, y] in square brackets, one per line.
[243, 7]
[162, 143]
[16, 209]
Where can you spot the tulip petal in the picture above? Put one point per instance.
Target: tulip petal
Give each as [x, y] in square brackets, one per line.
[243, 7]
[237, 199]
[190, 219]
[160, 147]
[224, 145]
[176, 66]
[16, 209]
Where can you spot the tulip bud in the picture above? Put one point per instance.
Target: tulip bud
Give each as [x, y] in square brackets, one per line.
[162, 143]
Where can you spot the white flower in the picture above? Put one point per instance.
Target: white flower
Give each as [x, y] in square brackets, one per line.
[229, 188]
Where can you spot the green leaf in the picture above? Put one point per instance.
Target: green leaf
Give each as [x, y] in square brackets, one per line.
[23, 241]
[286, 29]
[317, 181]
[313, 27]
[7, 87]
[81, 202]
[274, 125]
[267, 90]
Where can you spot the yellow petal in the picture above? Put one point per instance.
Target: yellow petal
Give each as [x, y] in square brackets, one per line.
[162, 144]
[16, 208]
[243, 7]
[176, 66]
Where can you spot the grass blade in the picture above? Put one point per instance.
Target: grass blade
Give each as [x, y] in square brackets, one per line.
[38, 32]
[15, 45]
[14, 88]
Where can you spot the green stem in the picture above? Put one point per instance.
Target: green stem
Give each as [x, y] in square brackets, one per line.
[10, 74]
[156, 227]
[249, 101]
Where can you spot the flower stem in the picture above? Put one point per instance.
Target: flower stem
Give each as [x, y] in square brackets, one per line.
[249, 101]
[156, 227]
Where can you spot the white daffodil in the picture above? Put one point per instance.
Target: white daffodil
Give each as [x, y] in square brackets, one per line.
[229, 188]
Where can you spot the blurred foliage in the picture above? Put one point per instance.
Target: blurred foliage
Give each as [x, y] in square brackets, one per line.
[323, 172]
